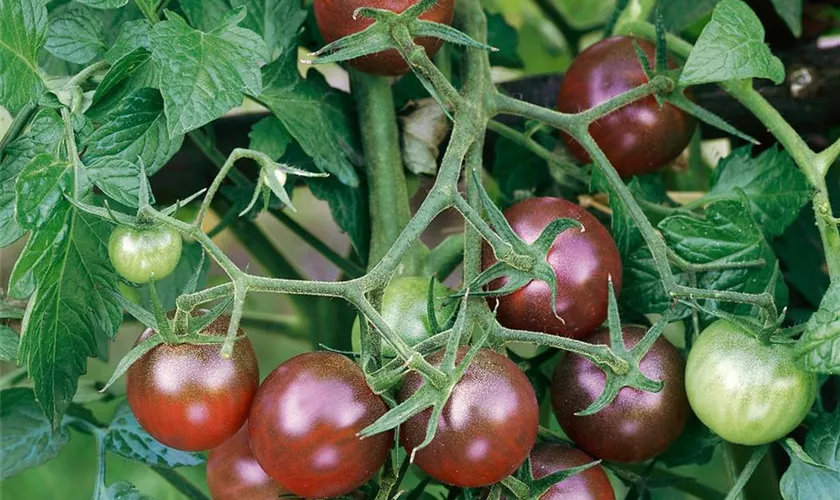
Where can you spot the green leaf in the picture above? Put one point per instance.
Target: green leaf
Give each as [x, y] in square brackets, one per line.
[727, 234]
[819, 346]
[791, 12]
[169, 288]
[135, 134]
[73, 306]
[205, 15]
[28, 439]
[314, 114]
[269, 136]
[731, 47]
[123, 490]
[823, 440]
[680, 14]
[121, 70]
[76, 35]
[9, 341]
[776, 188]
[133, 72]
[39, 188]
[518, 171]
[505, 38]
[36, 254]
[103, 4]
[23, 31]
[133, 35]
[207, 73]
[127, 438]
[277, 21]
[807, 481]
[696, 445]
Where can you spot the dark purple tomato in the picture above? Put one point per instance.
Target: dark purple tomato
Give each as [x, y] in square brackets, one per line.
[188, 396]
[582, 261]
[304, 421]
[487, 427]
[234, 474]
[335, 20]
[591, 484]
[637, 425]
[638, 138]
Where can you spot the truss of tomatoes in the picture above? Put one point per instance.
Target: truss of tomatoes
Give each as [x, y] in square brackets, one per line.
[297, 432]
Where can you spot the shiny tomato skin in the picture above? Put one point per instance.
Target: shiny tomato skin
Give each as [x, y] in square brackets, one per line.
[487, 427]
[582, 263]
[234, 474]
[138, 255]
[591, 484]
[638, 138]
[304, 423]
[187, 396]
[746, 392]
[335, 20]
[637, 425]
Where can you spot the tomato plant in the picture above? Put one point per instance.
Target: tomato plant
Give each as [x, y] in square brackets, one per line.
[175, 167]
[593, 483]
[747, 392]
[337, 19]
[638, 138]
[140, 255]
[583, 261]
[304, 424]
[405, 307]
[233, 473]
[476, 444]
[639, 424]
[189, 396]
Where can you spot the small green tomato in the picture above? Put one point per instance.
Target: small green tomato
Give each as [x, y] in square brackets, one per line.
[140, 254]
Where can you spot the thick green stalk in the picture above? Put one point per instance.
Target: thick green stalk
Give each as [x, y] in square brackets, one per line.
[18, 124]
[388, 195]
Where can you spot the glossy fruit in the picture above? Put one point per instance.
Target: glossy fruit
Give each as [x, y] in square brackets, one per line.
[637, 425]
[405, 310]
[189, 397]
[139, 254]
[638, 138]
[591, 484]
[304, 422]
[582, 261]
[747, 392]
[487, 428]
[234, 474]
[335, 20]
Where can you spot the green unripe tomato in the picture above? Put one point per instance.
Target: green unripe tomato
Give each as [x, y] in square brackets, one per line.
[747, 392]
[404, 309]
[139, 254]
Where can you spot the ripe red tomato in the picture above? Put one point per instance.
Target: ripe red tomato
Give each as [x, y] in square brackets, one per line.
[234, 474]
[637, 425]
[638, 138]
[304, 421]
[335, 20]
[582, 261]
[187, 396]
[487, 428]
[591, 484]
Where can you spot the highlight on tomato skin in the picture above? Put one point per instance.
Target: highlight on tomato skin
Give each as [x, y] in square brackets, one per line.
[304, 425]
[638, 138]
[188, 396]
[488, 425]
[335, 20]
[640, 424]
[234, 474]
[583, 263]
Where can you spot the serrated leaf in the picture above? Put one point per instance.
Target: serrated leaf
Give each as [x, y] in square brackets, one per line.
[517, 170]
[36, 254]
[135, 133]
[270, 137]
[207, 74]
[73, 306]
[776, 188]
[731, 47]
[133, 35]
[103, 4]
[23, 31]
[313, 113]
[9, 341]
[76, 35]
[39, 189]
[277, 21]
[127, 438]
[791, 12]
[819, 346]
[28, 439]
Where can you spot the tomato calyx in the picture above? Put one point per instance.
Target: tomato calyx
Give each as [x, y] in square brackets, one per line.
[524, 485]
[391, 31]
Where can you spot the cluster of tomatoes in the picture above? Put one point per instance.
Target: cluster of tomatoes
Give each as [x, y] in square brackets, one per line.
[297, 432]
